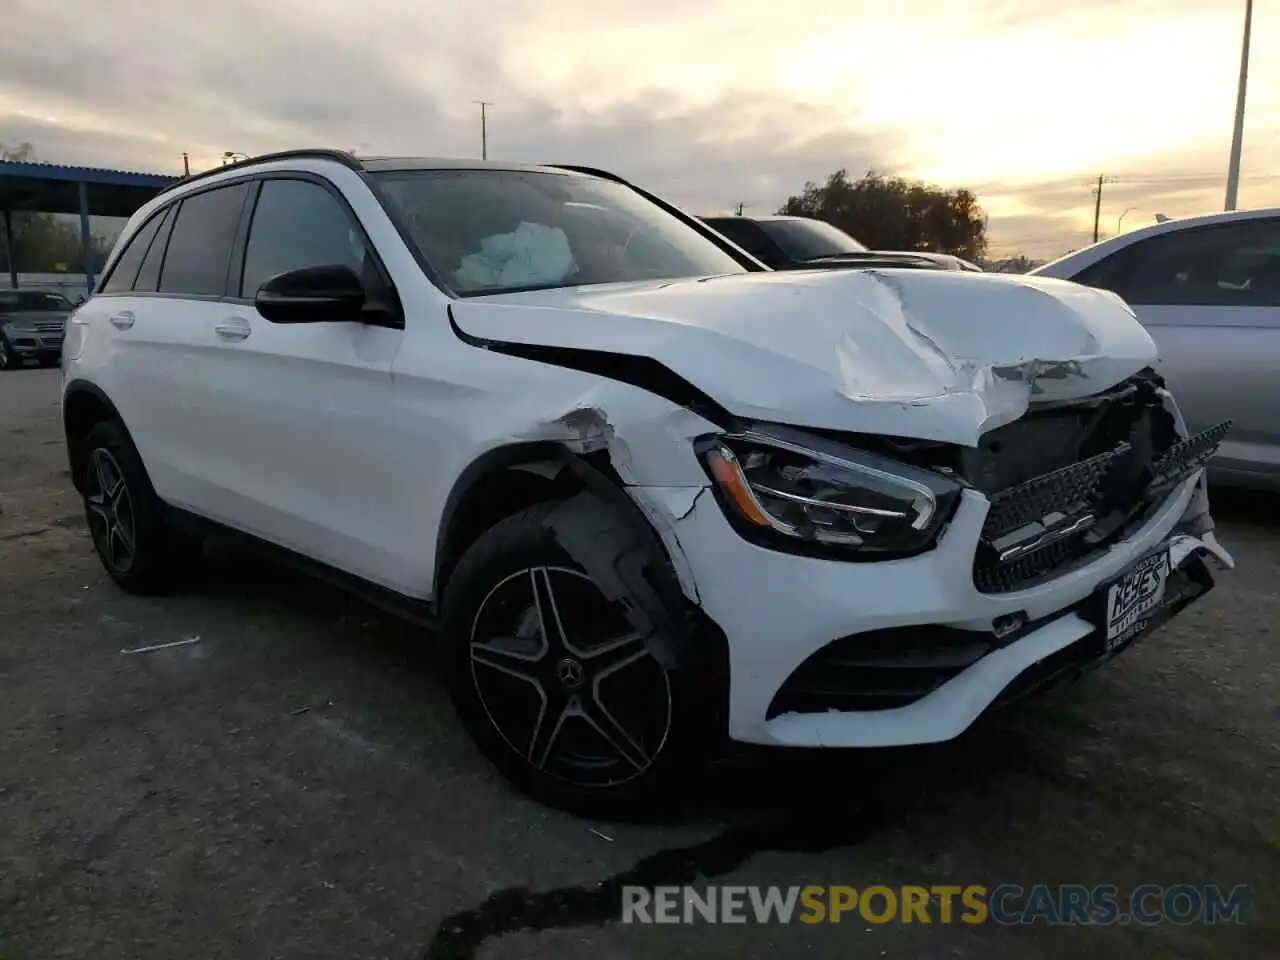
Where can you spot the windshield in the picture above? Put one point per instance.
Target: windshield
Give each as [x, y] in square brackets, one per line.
[33, 300]
[495, 231]
[804, 239]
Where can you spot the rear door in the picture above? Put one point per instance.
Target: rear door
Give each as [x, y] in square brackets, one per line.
[299, 425]
[158, 330]
[1210, 297]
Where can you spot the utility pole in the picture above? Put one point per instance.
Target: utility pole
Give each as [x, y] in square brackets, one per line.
[186, 165]
[484, 128]
[1237, 135]
[1097, 208]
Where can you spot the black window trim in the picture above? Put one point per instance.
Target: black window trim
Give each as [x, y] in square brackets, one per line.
[240, 247]
[201, 297]
[239, 244]
[110, 272]
[166, 228]
[177, 202]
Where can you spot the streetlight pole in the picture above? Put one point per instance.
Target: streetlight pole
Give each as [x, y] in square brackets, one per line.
[1237, 136]
[484, 128]
[1120, 220]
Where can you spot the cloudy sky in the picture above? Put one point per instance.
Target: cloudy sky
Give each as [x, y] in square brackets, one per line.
[710, 102]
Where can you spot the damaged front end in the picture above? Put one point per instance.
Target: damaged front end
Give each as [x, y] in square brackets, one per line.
[1068, 481]
[1063, 483]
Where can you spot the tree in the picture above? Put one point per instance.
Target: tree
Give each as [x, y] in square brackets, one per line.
[42, 243]
[891, 213]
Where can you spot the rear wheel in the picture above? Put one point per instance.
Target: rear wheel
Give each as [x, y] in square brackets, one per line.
[553, 682]
[137, 549]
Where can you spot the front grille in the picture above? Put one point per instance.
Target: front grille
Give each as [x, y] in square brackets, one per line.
[1185, 457]
[1041, 527]
[1064, 491]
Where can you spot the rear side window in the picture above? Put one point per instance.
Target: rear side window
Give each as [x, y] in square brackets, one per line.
[297, 224]
[149, 276]
[1231, 265]
[126, 268]
[199, 250]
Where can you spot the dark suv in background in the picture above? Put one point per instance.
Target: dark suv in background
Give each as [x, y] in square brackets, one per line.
[802, 243]
[32, 326]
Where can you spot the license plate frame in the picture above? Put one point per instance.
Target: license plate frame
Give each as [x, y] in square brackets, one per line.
[1134, 598]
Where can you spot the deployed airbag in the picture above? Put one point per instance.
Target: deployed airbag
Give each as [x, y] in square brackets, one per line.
[532, 255]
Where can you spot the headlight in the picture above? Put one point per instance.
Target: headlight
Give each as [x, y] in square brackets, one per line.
[796, 490]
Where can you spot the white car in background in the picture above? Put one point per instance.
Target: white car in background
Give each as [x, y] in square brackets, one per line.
[1208, 291]
[653, 495]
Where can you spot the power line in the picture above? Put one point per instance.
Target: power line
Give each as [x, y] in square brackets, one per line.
[1193, 178]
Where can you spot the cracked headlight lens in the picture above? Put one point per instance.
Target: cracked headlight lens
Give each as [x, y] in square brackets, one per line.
[788, 488]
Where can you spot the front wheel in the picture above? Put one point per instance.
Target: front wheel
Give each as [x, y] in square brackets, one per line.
[9, 359]
[553, 683]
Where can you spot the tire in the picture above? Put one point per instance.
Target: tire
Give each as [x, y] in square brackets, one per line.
[582, 718]
[138, 551]
[9, 360]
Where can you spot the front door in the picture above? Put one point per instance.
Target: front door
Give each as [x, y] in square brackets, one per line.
[303, 432]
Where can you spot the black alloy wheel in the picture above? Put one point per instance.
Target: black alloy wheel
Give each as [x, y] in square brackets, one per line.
[110, 511]
[560, 692]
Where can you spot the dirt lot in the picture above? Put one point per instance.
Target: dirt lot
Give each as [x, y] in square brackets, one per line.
[293, 784]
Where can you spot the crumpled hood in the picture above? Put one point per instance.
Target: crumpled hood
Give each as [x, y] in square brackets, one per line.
[933, 355]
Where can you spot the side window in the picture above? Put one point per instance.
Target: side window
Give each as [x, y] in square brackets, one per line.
[195, 262]
[1235, 264]
[126, 268]
[149, 276]
[297, 224]
[750, 238]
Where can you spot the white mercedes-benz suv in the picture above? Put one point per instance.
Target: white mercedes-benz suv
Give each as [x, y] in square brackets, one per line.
[651, 496]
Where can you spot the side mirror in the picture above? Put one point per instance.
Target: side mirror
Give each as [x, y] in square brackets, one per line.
[328, 294]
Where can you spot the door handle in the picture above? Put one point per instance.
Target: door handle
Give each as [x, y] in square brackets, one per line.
[233, 329]
[122, 320]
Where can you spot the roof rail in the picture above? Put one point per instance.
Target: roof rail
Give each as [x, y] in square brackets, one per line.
[340, 156]
[590, 171]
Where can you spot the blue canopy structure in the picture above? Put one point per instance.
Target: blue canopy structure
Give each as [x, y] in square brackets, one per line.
[86, 191]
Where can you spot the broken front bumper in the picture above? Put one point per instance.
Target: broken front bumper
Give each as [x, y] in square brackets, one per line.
[778, 610]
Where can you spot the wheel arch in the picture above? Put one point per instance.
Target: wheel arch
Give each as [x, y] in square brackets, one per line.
[516, 476]
[84, 405]
[584, 481]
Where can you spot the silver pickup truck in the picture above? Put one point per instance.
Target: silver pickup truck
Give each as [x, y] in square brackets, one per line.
[1208, 291]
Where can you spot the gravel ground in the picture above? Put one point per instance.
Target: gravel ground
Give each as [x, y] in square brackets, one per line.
[294, 785]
